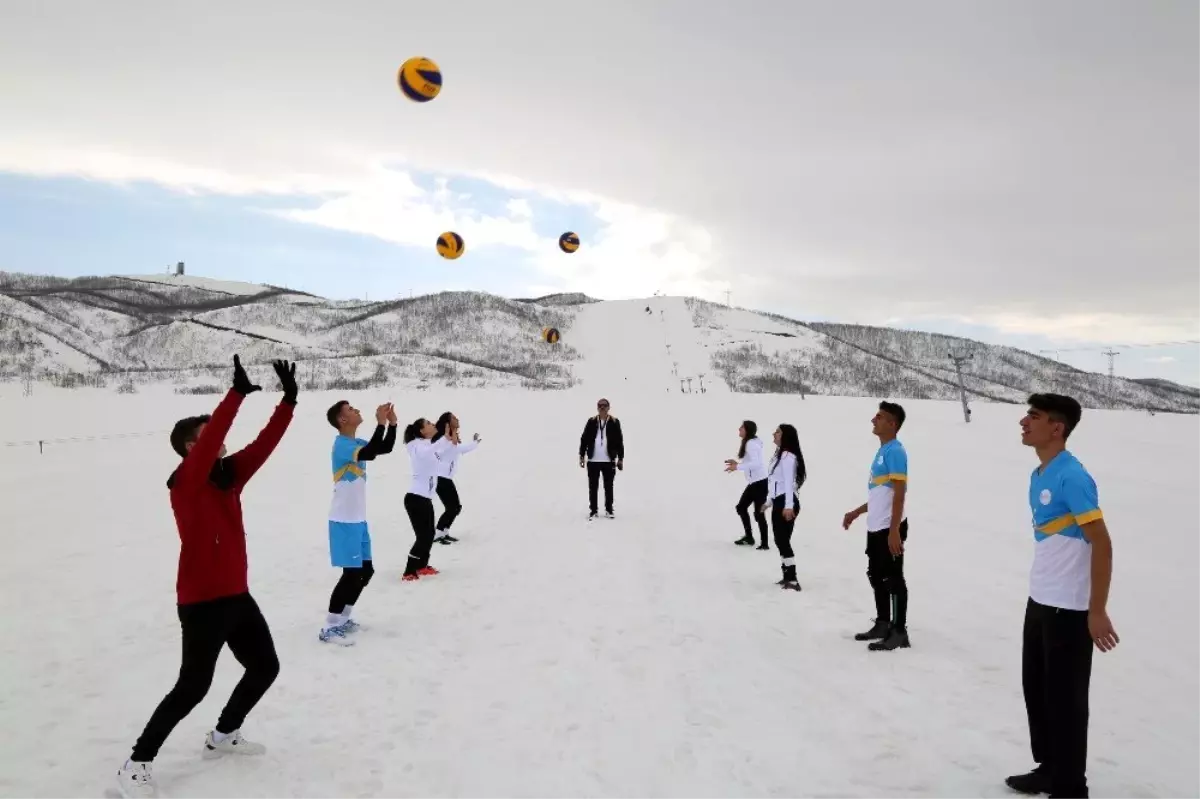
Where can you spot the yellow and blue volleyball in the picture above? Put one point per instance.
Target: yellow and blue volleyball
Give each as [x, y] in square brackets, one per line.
[450, 245]
[568, 242]
[550, 335]
[419, 79]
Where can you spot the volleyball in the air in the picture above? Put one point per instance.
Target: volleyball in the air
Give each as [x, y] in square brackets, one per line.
[419, 79]
[568, 242]
[550, 335]
[450, 245]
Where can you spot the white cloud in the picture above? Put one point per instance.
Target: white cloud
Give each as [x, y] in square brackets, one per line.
[519, 206]
[811, 188]
[1087, 327]
[1163, 359]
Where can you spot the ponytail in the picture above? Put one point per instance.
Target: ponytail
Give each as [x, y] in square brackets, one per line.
[413, 431]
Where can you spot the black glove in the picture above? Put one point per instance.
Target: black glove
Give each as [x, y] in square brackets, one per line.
[287, 380]
[241, 383]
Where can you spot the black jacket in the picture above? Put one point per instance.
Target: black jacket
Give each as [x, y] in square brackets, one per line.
[612, 437]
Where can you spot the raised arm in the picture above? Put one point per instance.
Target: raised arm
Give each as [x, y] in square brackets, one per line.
[198, 463]
[377, 444]
[467, 447]
[250, 459]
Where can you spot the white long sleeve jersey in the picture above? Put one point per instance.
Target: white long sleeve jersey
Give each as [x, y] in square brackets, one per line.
[752, 464]
[447, 453]
[424, 467]
[783, 481]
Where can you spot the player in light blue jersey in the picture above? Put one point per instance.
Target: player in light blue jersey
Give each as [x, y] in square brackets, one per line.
[1066, 611]
[349, 538]
[887, 530]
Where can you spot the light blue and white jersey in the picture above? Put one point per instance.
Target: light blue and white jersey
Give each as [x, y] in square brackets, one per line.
[349, 481]
[1062, 496]
[890, 466]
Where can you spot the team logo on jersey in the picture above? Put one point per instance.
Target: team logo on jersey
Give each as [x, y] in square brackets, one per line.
[879, 460]
[1045, 496]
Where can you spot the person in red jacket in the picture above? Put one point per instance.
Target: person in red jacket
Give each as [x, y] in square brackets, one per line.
[214, 603]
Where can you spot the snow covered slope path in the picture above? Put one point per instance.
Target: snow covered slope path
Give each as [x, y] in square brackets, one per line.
[645, 656]
[625, 348]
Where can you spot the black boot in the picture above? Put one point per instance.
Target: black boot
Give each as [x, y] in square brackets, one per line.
[897, 638]
[1031, 784]
[789, 578]
[782, 569]
[878, 632]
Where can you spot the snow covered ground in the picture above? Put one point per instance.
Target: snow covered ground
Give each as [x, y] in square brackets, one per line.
[646, 656]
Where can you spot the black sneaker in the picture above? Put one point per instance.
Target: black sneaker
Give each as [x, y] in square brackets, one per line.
[451, 539]
[763, 547]
[896, 639]
[1031, 784]
[878, 632]
[745, 541]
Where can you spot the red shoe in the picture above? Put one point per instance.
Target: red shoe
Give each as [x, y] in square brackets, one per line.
[426, 571]
[408, 578]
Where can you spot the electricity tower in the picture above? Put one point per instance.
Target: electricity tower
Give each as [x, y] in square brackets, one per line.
[959, 360]
[1111, 353]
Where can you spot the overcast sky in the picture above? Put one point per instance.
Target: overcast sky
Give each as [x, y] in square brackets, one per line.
[1025, 168]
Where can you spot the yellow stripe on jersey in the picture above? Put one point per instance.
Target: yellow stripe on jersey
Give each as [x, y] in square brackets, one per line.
[887, 478]
[1057, 525]
[352, 468]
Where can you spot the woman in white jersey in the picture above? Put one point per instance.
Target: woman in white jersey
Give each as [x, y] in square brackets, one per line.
[447, 447]
[419, 499]
[754, 496]
[786, 475]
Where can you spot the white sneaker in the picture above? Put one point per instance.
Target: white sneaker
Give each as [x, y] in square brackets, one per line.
[135, 780]
[334, 635]
[233, 743]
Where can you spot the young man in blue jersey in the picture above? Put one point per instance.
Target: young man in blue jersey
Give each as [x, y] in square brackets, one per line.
[349, 538]
[887, 530]
[1066, 613]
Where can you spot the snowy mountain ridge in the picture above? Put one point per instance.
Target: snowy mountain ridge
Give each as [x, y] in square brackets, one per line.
[131, 330]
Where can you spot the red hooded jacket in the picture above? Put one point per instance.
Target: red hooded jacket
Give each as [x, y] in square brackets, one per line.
[212, 551]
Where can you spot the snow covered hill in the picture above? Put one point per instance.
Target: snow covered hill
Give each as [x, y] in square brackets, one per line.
[129, 331]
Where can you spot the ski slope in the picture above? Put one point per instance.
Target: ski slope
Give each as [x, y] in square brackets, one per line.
[624, 348]
[645, 656]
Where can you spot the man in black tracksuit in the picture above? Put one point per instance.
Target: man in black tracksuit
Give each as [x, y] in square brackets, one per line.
[603, 447]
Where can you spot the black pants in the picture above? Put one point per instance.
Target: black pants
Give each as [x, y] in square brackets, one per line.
[448, 493]
[886, 573]
[753, 498]
[207, 627]
[1056, 669]
[420, 513]
[782, 528]
[595, 470]
[350, 586]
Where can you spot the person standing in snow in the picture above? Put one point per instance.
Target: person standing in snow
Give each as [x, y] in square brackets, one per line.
[349, 537]
[603, 445]
[754, 496]
[418, 502]
[214, 604]
[447, 448]
[786, 475]
[887, 530]
[1066, 610]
